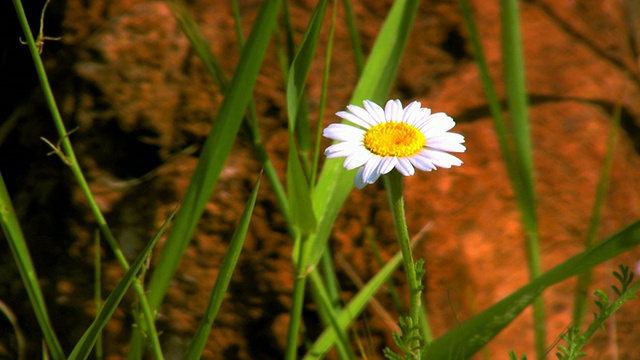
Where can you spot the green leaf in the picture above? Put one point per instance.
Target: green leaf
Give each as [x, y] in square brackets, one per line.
[18, 245]
[302, 63]
[84, 346]
[222, 282]
[299, 197]
[470, 336]
[215, 151]
[328, 337]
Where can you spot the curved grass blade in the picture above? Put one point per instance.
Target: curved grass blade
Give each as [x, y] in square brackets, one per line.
[299, 193]
[328, 338]
[335, 183]
[18, 245]
[215, 151]
[465, 340]
[580, 302]
[84, 346]
[224, 277]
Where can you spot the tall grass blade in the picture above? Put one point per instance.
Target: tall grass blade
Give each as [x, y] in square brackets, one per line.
[581, 299]
[299, 193]
[227, 267]
[329, 337]
[466, 339]
[215, 151]
[514, 72]
[84, 346]
[197, 40]
[18, 245]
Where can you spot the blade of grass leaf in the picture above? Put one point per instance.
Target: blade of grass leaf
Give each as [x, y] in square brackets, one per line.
[227, 267]
[197, 40]
[84, 346]
[514, 72]
[470, 336]
[323, 97]
[18, 245]
[328, 314]
[67, 154]
[299, 195]
[215, 151]
[97, 288]
[353, 309]
[335, 183]
[356, 46]
[210, 61]
[489, 90]
[581, 299]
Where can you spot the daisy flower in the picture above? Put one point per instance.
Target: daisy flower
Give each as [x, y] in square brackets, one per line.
[379, 140]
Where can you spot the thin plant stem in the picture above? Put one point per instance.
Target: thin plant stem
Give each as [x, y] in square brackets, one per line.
[393, 184]
[297, 301]
[67, 153]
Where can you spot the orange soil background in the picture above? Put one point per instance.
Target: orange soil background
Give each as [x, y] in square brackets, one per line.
[125, 75]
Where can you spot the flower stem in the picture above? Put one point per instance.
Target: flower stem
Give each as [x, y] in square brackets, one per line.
[393, 183]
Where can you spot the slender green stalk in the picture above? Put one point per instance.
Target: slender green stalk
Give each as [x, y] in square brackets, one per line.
[323, 96]
[393, 184]
[97, 289]
[327, 310]
[20, 252]
[68, 156]
[356, 46]
[581, 299]
[297, 300]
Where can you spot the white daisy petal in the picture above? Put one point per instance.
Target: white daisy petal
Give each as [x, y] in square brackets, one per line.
[343, 132]
[387, 164]
[411, 113]
[340, 149]
[436, 124]
[422, 163]
[358, 181]
[404, 167]
[354, 119]
[404, 139]
[443, 159]
[357, 159]
[363, 114]
[371, 169]
[374, 110]
[393, 111]
[451, 142]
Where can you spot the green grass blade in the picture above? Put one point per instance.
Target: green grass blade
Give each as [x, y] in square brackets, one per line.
[328, 337]
[493, 101]
[581, 298]
[18, 246]
[197, 40]
[84, 346]
[356, 46]
[97, 289]
[514, 73]
[215, 151]
[229, 262]
[329, 315]
[299, 193]
[299, 69]
[465, 340]
[335, 183]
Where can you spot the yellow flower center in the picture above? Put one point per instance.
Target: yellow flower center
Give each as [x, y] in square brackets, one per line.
[394, 139]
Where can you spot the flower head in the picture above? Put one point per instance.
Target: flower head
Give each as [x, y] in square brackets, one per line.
[383, 139]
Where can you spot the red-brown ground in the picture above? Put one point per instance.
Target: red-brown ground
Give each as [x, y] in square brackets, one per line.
[125, 75]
